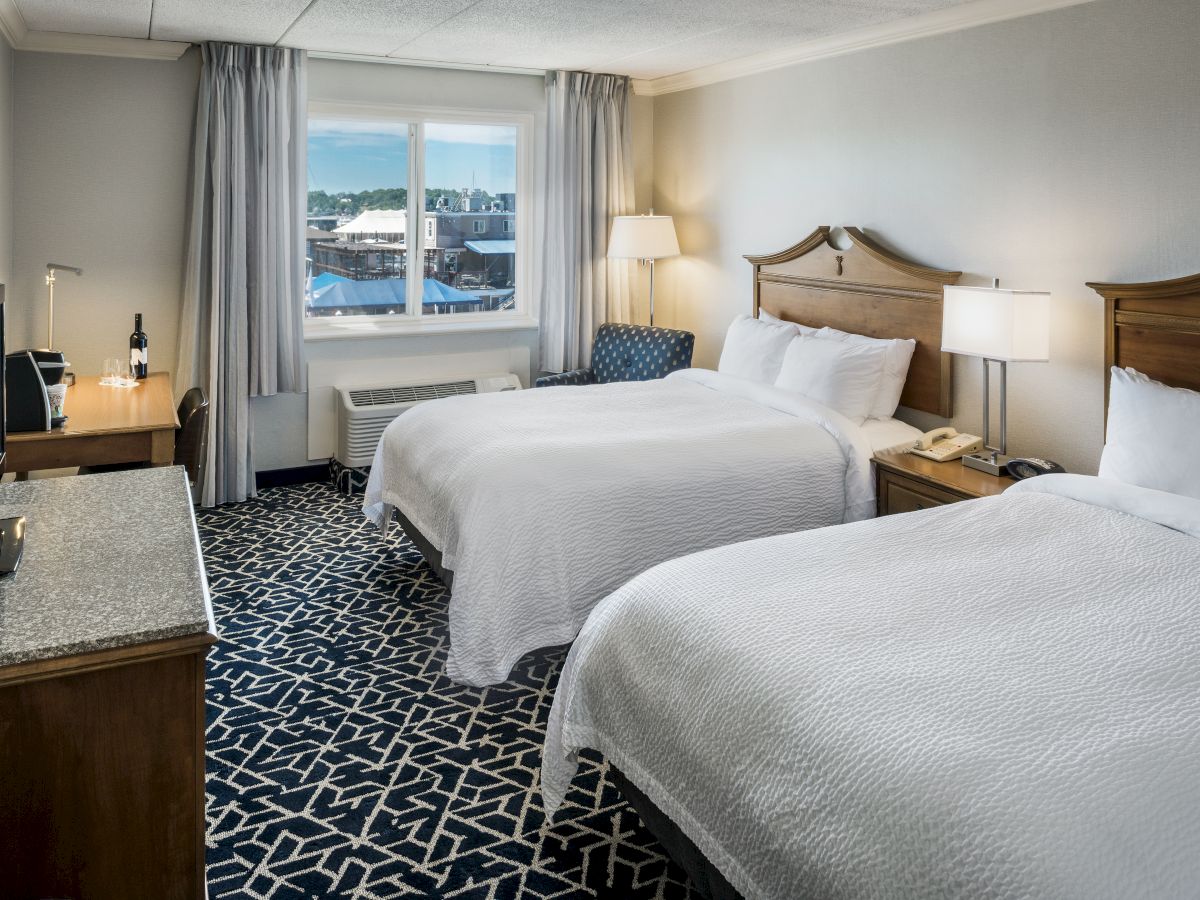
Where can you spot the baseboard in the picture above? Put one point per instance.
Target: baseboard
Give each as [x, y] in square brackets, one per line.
[298, 475]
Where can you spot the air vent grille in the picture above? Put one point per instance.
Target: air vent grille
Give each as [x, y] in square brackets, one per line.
[381, 396]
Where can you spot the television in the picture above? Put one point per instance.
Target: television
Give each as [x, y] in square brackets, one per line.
[3, 394]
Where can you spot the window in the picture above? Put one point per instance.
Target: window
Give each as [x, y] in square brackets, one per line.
[465, 177]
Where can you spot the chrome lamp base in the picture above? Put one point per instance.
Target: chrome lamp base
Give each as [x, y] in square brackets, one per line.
[993, 462]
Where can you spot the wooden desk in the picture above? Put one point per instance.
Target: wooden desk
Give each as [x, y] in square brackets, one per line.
[104, 425]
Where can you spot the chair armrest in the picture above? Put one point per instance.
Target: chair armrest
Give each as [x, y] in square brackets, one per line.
[574, 376]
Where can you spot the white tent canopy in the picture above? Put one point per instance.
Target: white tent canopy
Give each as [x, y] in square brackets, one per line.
[375, 221]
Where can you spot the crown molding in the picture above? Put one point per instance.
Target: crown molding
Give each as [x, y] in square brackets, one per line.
[942, 21]
[21, 37]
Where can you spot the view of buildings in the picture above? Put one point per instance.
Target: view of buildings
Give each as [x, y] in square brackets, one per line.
[357, 240]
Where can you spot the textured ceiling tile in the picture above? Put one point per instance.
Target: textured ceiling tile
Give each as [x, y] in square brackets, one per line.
[644, 38]
[556, 34]
[113, 18]
[243, 21]
[373, 27]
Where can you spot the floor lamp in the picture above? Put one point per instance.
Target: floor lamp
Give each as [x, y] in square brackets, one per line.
[999, 326]
[644, 238]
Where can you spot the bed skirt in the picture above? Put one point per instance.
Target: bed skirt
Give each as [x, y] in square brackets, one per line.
[704, 875]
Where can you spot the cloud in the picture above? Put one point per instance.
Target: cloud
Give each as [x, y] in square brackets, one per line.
[503, 135]
[451, 133]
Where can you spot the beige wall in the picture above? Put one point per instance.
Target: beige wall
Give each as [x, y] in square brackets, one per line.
[1047, 151]
[101, 151]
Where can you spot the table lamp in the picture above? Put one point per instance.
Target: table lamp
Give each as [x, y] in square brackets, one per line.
[999, 326]
[644, 238]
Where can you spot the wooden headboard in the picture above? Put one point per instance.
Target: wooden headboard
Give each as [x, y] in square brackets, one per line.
[866, 290]
[1153, 327]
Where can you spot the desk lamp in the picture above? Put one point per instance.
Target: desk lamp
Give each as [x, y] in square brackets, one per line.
[51, 268]
[999, 326]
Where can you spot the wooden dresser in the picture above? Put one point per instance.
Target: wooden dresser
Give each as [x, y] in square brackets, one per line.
[104, 631]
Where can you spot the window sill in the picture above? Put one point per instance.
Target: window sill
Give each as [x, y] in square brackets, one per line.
[338, 328]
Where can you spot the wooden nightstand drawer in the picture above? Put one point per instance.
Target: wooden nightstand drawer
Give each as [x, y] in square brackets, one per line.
[899, 495]
[907, 483]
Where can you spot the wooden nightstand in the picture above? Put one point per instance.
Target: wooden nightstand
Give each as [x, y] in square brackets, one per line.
[907, 483]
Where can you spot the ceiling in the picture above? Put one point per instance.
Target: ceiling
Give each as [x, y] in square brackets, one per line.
[647, 39]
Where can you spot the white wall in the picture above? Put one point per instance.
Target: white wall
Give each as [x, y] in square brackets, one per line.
[101, 150]
[6, 164]
[1048, 151]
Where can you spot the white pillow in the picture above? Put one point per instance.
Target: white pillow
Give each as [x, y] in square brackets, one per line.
[899, 353]
[754, 349]
[843, 376]
[1153, 433]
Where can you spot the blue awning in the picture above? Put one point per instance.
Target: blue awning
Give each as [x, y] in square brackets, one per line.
[491, 248]
[382, 292]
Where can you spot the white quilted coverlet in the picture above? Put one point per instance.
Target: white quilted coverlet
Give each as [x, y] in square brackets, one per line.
[998, 698]
[542, 502]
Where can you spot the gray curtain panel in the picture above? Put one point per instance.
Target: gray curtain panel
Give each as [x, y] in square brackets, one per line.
[589, 179]
[241, 333]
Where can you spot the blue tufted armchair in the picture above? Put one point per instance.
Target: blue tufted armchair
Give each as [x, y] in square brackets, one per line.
[630, 353]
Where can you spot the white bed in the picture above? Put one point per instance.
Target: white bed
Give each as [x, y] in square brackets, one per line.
[533, 505]
[542, 502]
[992, 699]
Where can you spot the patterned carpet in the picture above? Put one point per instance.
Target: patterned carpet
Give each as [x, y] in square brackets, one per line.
[343, 763]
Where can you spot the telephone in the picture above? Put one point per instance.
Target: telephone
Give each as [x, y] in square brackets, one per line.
[1031, 467]
[945, 444]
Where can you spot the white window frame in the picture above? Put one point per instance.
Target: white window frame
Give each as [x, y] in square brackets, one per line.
[413, 321]
[479, 226]
[506, 226]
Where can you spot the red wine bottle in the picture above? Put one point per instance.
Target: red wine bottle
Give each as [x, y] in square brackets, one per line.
[139, 361]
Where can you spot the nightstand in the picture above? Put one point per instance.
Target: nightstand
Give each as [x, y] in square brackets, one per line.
[907, 483]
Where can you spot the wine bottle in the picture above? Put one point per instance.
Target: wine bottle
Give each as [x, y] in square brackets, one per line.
[138, 357]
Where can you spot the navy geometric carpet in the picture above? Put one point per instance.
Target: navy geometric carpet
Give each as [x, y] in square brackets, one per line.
[342, 763]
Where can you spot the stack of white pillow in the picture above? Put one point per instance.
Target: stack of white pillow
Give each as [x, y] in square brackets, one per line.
[860, 377]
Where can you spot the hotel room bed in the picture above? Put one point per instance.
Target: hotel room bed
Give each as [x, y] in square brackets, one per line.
[534, 505]
[545, 501]
[998, 698]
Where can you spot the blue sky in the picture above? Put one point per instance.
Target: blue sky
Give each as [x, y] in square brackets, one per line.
[359, 156]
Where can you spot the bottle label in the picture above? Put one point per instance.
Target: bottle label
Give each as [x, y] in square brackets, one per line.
[138, 357]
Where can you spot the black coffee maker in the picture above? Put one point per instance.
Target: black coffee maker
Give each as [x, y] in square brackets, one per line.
[26, 375]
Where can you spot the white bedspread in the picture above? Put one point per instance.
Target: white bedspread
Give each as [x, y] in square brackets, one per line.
[542, 502]
[992, 699]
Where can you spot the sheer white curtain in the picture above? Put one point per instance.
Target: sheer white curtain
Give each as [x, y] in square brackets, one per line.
[241, 333]
[589, 179]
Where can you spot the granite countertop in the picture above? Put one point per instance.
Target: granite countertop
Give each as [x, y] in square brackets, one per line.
[111, 560]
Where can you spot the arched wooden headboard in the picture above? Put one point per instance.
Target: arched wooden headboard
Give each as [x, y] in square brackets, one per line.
[1153, 327]
[866, 290]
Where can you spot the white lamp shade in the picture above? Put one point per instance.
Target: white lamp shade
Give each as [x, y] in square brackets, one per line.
[642, 237]
[1013, 326]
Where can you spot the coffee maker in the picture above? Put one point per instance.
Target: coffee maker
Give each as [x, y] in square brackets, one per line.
[26, 375]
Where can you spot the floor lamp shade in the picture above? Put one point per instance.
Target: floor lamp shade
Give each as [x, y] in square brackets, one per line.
[642, 237]
[646, 238]
[994, 323]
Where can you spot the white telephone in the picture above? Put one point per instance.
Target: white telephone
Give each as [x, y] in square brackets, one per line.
[945, 444]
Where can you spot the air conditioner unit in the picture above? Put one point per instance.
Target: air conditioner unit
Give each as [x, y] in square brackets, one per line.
[364, 411]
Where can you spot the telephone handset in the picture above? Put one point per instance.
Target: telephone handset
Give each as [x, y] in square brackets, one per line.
[945, 444]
